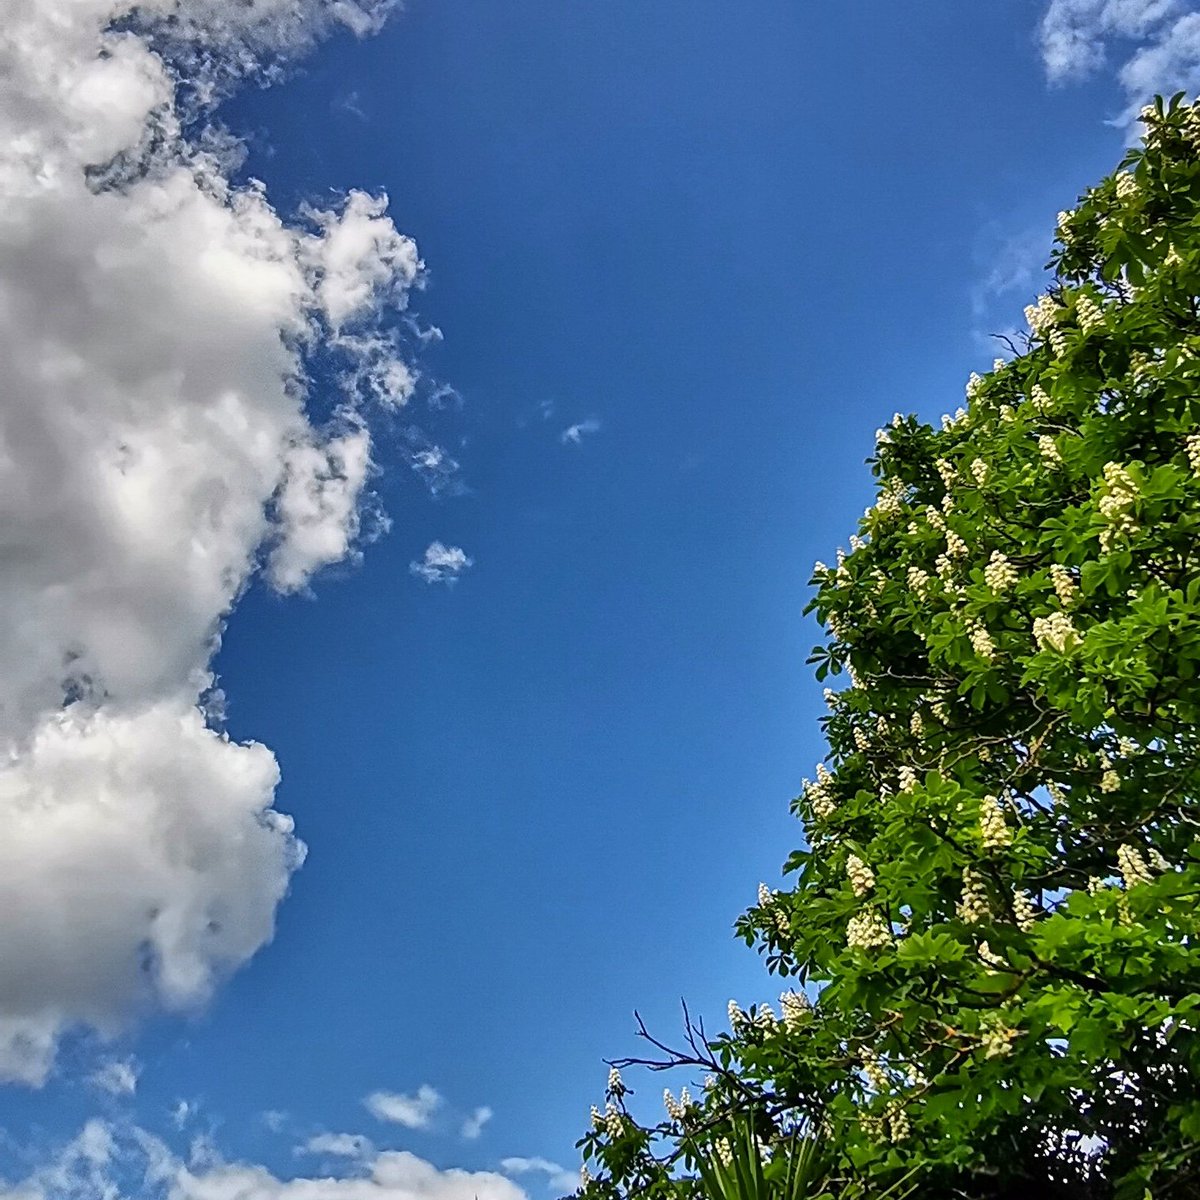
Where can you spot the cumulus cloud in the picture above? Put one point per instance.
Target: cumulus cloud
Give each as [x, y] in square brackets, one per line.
[1157, 43]
[559, 1179]
[103, 1157]
[472, 1126]
[339, 1145]
[413, 1112]
[441, 564]
[156, 449]
[574, 434]
[390, 1175]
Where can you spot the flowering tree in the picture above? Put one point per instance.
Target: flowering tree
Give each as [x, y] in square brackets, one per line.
[992, 931]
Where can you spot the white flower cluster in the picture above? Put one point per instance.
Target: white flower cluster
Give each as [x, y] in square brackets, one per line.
[737, 1018]
[996, 1040]
[916, 724]
[819, 795]
[907, 778]
[1055, 632]
[862, 878]
[796, 1009]
[862, 742]
[1193, 452]
[1141, 367]
[890, 502]
[867, 930]
[993, 828]
[955, 546]
[1116, 504]
[981, 640]
[946, 470]
[1110, 781]
[1089, 314]
[1063, 227]
[980, 470]
[974, 905]
[610, 1121]
[1048, 449]
[676, 1109]
[974, 383]
[764, 1017]
[1127, 188]
[918, 582]
[872, 1068]
[941, 709]
[773, 910]
[1007, 412]
[897, 1119]
[881, 725]
[871, 1125]
[999, 574]
[1042, 316]
[1064, 585]
[1024, 912]
[990, 958]
[1133, 866]
[1040, 399]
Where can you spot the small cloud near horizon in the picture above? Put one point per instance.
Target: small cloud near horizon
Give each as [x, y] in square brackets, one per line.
[413, 1112]
[472, 1126]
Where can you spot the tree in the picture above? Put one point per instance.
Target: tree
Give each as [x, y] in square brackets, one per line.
[993, 924]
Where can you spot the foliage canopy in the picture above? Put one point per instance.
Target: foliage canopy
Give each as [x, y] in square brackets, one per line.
[993, 922]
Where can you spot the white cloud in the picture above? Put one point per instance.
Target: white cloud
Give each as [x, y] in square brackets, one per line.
[1171, 63]
[414, 1112]
[472, 1126]
[441, 564]
[558, 1179]
[339, 1145]
[574, 434]
[391, 1175]
[117, 1076]
[96, 1164]
[1074, 33]
[1159, 41]
[183, 1112]
[154, 448]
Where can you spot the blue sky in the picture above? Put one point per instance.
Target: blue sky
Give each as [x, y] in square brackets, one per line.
[684, 258]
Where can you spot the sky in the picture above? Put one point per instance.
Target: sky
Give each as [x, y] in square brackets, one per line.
[418, 429]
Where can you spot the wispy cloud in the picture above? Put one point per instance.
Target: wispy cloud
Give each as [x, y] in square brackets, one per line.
[117, 1077]
[557, 1178]
[1159, 41]
[574, 434]
[473, 1125]
[413, 1112]
[441, 564]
